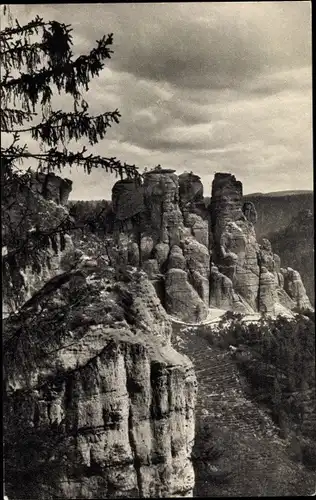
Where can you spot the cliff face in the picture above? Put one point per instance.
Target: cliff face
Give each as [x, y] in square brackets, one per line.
[34, 248]
[97, 402]
[171, 242]
[108, 399]
[203, 258]
[236, 248]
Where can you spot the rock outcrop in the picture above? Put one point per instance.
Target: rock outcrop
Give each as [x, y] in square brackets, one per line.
[182, 300]
[295, 245]
[191, 194]
[35, 247]
[95, 383]
[97, 402]
[236, 247]
[171, 234]
[51, 187]
[295, 289]
[127, 199]
[254, 270]
[177, 233]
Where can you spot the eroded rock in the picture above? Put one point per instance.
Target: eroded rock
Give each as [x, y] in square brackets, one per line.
[109, 401]
[176, 258]
[294, 287]
[51, 187]
[182, 300]
[267, 291]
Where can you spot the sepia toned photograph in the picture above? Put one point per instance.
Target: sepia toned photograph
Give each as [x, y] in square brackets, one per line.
[158, 287]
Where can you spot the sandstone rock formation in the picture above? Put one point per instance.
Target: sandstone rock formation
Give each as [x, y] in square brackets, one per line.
[221, 290]
[236, 247]
[51, 187]
[295, 245]
[295, 289]
[34, 248]
[176, 258]
[172, 238]
[177, 232]
[250, 212]
[96, 384]
[253, 269]
[191, 194]
[97, 402]
[182, 300]
[127, 199]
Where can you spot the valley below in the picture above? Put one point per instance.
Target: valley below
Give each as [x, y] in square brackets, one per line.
[238, 447]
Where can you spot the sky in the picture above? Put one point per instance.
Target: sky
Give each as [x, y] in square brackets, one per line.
[203, 87]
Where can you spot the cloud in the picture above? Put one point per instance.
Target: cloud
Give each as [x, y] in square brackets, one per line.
[200, 86]
[212, 45]
[195, 45]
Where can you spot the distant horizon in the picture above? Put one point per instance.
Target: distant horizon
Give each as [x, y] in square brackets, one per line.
[284, 192]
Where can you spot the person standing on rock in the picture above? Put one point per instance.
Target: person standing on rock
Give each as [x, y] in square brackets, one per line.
[197, 313]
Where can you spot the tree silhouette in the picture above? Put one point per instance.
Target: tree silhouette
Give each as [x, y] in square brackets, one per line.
[37, 62]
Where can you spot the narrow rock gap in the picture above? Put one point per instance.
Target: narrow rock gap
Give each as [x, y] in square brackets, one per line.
[132, 442]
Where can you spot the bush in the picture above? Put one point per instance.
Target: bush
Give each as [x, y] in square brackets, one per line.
[309, 455]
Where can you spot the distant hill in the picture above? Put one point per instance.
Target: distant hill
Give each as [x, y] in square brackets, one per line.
[283, 218]
[295, 246]
[276, 210]
[282, 193]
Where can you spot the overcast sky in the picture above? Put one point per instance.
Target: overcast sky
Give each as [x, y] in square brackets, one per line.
[208, 87]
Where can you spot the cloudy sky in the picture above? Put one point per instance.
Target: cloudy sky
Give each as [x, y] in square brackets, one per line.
[207, 87]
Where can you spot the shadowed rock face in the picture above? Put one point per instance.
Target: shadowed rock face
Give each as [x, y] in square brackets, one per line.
[294, 287]
[52, 187]
[109, 402]
[191, 194]
[182, 300]
[127, 199]
[37, 208]
[250, 212]
[226, 203]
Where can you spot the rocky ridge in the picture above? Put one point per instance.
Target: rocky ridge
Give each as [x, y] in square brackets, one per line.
[201, 257]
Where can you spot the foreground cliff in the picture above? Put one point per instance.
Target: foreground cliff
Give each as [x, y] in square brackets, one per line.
[97, 403]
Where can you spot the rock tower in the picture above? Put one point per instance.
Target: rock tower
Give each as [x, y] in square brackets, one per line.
[200, 257]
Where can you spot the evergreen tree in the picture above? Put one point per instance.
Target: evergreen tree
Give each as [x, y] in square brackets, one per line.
[37, 58]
